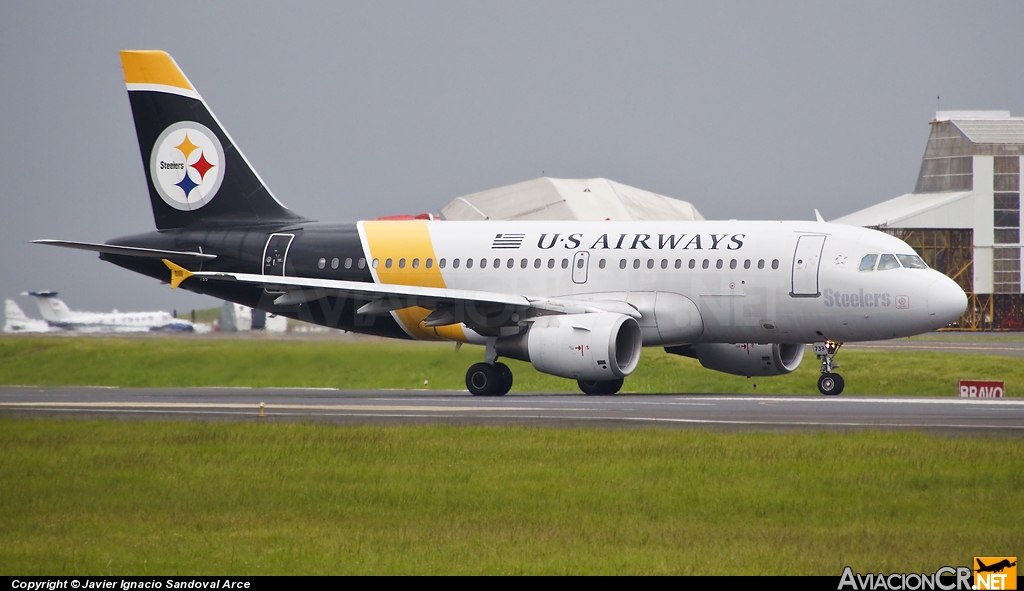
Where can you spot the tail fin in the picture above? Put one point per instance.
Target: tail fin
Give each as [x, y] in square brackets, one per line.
[13, 312]
[194, 170]
[50, 308]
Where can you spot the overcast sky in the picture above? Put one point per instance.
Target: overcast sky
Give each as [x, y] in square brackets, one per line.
[750, 110]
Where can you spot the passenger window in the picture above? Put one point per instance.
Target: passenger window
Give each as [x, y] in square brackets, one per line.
[415, 263]
[732, 264]
[387, 264]
[376, 262]
[579, 264]
[636, 263]
[600, 264]
[401, 263]
[511, 263]
[760, 264]
[334, 263]
[911, 261]
[679, 263]
[497, 263]
[718, 265]
[868, 262]
[622, 264]
[746, 264]
[664, 263]
[524, 263]
[441, 263]
[693, 264]
[483, 263]
[888, 261]
[775, 263]
[650, 263]
[430, 263]
[455, 264]
[565, 263]
[348, 264]
[469, 263]
[536, 263]
[362, 263]
[551, 263]
[705, 264]
[321, 263]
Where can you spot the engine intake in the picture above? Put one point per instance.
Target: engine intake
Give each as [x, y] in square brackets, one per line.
[598, 346]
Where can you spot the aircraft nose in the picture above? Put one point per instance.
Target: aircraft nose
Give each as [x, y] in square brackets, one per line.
[946, 301]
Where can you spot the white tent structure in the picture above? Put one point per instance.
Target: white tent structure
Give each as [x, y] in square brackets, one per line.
[568, 199]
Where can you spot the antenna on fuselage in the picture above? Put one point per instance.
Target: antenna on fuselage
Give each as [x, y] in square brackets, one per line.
[817, 216]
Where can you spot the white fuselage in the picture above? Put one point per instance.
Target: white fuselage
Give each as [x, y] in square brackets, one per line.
[767, 282]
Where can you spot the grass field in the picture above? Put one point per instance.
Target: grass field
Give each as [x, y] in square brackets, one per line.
[84, 497]
[265, 362]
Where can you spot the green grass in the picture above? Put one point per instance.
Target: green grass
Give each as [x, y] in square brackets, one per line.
[90, 497]
[267, 362]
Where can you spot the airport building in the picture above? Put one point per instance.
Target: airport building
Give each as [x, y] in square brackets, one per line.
[568, 199]
[964, 214]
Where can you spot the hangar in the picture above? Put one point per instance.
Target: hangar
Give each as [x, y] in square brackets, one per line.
[568, 199]
[963, 216]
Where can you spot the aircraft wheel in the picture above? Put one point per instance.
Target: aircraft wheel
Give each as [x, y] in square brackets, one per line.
[830, 384]
[483, 379]
[600, 387]
[505, 379]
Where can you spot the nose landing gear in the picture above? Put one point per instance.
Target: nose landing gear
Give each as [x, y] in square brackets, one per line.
[830, 383]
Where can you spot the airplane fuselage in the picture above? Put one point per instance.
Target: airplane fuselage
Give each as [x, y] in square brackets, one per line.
[759, 282]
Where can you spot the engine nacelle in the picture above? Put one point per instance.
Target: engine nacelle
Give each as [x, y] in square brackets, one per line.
[744, 359]
[597, 346]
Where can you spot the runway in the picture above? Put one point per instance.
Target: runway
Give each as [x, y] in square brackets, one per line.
[719, 411]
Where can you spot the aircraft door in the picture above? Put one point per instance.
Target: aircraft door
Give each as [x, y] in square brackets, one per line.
[276, 253]
[580, 264]
[806, 262]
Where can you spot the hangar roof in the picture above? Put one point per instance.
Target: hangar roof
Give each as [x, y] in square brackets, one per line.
[568, 199]
[908, 210]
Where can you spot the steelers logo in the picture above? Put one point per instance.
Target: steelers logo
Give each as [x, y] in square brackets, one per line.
[187, 165]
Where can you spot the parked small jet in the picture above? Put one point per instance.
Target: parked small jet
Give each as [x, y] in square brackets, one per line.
[575, 299]
[16, 321]
[57, 315]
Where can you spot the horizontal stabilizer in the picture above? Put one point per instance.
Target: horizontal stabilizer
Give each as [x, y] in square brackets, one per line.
[129, 251]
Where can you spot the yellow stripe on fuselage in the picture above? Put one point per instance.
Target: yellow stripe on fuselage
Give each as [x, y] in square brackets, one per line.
[408, 241]
[152, 67]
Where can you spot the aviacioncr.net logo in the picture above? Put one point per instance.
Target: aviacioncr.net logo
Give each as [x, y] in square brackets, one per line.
[187, 165]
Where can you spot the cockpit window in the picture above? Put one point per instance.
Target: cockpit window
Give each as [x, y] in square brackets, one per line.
[911, 261]
[888, 261]
[868, 262]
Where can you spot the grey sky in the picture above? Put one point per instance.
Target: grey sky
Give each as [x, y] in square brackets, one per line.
[753, 110]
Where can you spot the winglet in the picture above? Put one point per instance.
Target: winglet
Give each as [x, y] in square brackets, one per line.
[818, 217]
[178, 273]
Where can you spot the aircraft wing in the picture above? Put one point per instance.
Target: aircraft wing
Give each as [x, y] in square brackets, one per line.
[448, 305]
[131, 251]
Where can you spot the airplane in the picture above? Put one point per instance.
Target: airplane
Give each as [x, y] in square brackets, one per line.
[576, 299]
[15, 321]
[994, 568]
[57, 315]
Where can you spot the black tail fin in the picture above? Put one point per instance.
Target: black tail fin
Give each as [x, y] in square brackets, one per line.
[194, 171]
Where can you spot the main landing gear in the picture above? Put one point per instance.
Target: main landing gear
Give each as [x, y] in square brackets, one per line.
[830, 383]
[600, 388]
[489, 379]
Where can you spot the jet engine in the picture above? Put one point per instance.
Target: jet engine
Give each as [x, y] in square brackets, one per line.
[744, 359]
[597, 346]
